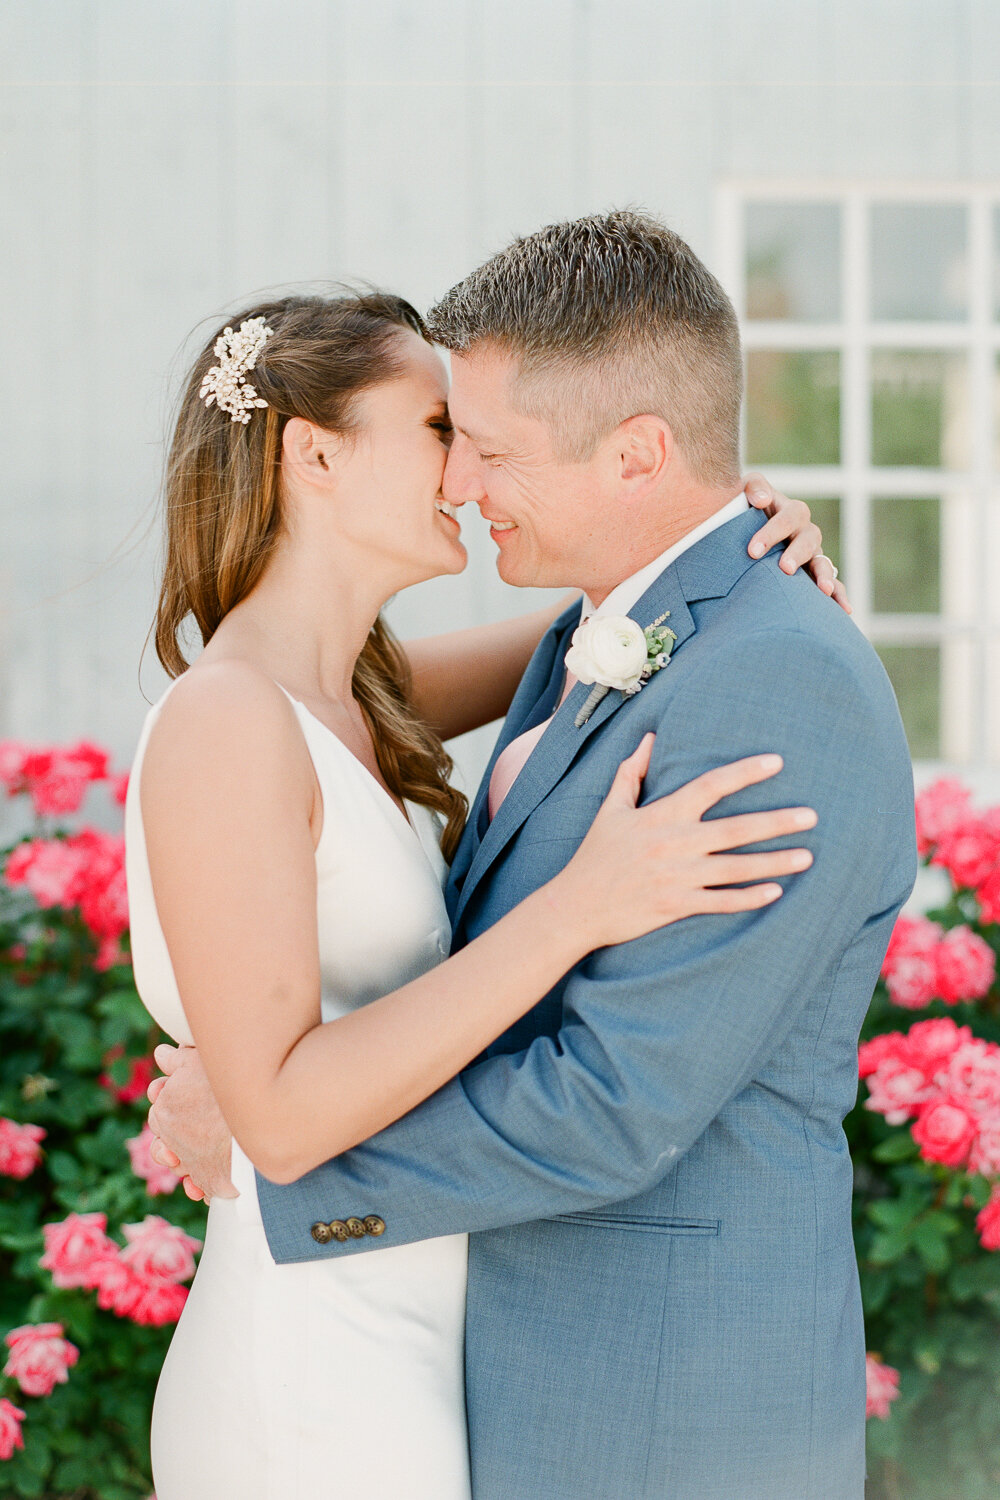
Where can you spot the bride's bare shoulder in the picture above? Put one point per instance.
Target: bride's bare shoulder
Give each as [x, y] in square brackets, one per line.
[223, 719]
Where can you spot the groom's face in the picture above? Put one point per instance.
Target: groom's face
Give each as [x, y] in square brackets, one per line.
[552, 521]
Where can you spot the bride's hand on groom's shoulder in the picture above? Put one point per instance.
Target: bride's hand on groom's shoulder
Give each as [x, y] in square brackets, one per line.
[791, 521]
[191, 1135]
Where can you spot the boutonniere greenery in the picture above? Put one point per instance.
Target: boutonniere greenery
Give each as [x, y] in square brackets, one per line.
[612, 651]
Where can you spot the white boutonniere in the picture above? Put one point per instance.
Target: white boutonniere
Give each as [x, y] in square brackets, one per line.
[614, 652]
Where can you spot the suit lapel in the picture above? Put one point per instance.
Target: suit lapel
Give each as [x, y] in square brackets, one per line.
[708, 570]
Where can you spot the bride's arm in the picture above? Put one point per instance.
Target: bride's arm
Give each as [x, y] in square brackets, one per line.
[227, 795]
[467, 678]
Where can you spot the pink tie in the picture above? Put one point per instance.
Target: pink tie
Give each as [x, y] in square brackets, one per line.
[511, 762]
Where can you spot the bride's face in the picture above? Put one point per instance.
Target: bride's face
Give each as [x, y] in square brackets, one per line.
[388, 476]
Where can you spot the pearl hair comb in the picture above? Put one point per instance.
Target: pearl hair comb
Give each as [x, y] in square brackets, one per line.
[226, 383]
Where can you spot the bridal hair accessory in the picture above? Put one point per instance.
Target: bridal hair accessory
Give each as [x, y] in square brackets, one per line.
[614, 652]
[226, 383]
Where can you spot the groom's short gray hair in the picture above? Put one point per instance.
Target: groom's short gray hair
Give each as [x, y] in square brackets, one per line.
[609, 317]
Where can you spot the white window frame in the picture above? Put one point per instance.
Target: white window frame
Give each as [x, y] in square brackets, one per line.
[970, 556]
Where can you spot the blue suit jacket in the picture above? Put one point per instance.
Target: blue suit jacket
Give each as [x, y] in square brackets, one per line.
[663, 1295]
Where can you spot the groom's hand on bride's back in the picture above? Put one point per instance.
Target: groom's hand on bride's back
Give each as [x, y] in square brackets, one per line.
[191, 1135]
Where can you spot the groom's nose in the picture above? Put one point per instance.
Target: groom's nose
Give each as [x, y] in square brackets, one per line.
[461, 480]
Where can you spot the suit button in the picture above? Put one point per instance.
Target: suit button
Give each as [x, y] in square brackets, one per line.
[321, 1234]
[374, 1225]
[356, 1228]
[338, 1230]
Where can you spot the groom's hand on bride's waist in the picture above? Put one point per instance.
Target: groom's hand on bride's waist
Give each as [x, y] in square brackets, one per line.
[191, 1135]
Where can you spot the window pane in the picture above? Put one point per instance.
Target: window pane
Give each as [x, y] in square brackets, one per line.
[919, 261]
[826, 514]
[906, 555]
[920, 408]
[915, 674]
[793, 261]
[793, 407]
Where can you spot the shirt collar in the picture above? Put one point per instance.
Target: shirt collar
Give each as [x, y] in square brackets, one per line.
[624, 595]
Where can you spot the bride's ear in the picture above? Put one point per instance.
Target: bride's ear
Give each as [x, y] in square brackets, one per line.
[307, 450]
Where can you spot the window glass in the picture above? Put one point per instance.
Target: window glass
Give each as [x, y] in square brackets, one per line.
[906, 555]
[920, 408]
[915, 674]
[919, 261]
[793, 261]
[793, 406]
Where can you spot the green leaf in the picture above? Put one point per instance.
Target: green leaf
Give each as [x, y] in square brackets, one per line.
[900, 1146]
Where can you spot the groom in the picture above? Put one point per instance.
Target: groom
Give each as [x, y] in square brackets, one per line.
[663, 1296]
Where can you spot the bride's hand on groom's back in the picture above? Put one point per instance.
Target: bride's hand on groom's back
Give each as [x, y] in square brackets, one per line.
[640, 868]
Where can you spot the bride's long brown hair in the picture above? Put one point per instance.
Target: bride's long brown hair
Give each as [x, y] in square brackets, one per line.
[224, 509]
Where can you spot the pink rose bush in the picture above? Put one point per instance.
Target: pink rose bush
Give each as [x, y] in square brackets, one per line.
[925, 963]
[925, 1138]
[85, 872]
[142, 1281]
[92, 1280]
[947, 1082]
[20, 1149]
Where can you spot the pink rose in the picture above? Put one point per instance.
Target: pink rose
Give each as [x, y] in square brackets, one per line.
[40, 1358]
[988, 896]
[945, 1130]
[141, 1073]
[988, 1222]
[882, 1387]
[909, 967]
[930, 1044]
[939, 807]
[159, 1251]
[158, 1179]
[965, 966]
[73, 1246]
[51, 869]
[887, 1046]
[127, 1293]
[158, 1303]
[11, 1417]
[970, 850]
[20, 1152]
[119, 788]
[984, 1157]
[13, 755]
[974, 1071]
[897, 1090]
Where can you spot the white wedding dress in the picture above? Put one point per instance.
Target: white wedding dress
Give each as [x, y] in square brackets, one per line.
[335, 1376]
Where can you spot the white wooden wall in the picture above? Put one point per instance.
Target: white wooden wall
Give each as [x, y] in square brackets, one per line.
[162, 160]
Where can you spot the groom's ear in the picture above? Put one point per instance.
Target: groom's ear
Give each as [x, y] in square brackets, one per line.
[645, 447]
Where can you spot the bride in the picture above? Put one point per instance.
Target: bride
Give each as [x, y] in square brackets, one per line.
[288, 825]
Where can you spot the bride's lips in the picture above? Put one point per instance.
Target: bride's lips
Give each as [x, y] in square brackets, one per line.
[447, 512]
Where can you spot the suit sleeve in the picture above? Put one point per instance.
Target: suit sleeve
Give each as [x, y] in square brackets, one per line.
[657, 1034]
